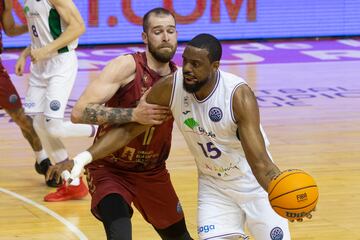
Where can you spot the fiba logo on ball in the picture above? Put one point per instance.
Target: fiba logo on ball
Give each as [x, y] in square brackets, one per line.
[55, 105]
[215, 114]
[13, 98]
[276, 233]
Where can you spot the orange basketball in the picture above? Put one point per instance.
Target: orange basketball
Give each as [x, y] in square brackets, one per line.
[293, 194]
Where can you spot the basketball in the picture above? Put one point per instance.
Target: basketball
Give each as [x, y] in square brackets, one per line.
[293, 194]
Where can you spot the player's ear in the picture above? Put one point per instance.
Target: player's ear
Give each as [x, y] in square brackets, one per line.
[215, 65]
[144, 38]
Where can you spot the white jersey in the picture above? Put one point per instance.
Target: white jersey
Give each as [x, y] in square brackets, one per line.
[45, 24]
[210, 130]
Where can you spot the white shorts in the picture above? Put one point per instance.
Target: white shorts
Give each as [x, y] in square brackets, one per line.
[223, 213]
[50, 85]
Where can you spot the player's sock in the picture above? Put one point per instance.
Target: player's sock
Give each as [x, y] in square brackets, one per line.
[40, 156]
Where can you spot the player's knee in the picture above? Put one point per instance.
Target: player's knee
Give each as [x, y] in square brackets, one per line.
[54, 127]
[38, 122]
[177, 231]
[19, 117]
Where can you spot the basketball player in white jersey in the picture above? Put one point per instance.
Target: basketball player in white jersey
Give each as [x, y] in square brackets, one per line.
[54, 26]
[218, 115]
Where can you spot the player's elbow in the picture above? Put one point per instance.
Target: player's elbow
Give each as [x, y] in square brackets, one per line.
[82, 28]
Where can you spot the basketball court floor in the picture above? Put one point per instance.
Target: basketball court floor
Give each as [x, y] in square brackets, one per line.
[309, 97]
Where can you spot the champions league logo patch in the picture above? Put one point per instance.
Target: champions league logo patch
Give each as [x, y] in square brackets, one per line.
[276, 234]
[215, 114]
[55, 105]
[179, 208]
[13, 99]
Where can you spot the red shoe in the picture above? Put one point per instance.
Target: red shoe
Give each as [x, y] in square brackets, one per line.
[64, 193]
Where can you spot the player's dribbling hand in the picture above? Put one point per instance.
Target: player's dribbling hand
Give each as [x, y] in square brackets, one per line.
[150, 114]
[56, 170]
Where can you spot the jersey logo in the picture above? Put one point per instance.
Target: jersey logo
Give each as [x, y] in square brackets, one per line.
[215, 114]
[128, 153]
[13, 98]
[196, 128]
[55, 105]
[191, 123]
[276, 234]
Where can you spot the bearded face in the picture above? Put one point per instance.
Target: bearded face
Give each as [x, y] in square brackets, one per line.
[163, 52]
[194, 86]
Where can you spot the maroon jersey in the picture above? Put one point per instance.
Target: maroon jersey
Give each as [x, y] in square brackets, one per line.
[2, 6]
[150, 149]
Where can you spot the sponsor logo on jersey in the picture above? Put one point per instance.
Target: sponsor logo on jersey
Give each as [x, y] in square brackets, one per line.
[276, 234]
[29, 104]
[128, 153]
[29, 13]
[194, 126]
[55, 105]
[215, 114]
[206, 228]
[186, 101]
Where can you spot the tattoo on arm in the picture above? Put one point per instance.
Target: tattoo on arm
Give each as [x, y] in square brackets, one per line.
[99, 114]
[272, 173]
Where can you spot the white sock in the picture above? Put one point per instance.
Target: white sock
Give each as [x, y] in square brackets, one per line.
[75, 182]
[40, 156]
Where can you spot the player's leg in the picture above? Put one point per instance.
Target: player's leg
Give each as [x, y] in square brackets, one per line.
[219, 217]
[26, 126]
[158, 203]
[116, 217]
[60, 85]
[111, 199]
[34, 106]
[176, 231]
[60, 72]
[263, 222]
[11, 102]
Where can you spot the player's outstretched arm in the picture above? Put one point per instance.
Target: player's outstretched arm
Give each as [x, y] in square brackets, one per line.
[10, 27]
[116, 138]
[246, 112]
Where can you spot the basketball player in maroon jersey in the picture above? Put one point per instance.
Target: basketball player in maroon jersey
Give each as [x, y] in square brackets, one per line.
[9, 98]
[134, 174]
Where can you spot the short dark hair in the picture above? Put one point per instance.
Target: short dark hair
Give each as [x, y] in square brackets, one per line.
[210, 43]
[157, 11]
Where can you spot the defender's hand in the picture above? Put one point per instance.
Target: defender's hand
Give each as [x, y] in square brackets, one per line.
[149, 114]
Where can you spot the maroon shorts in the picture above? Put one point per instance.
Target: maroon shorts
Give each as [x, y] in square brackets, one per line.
[151, 192]
[9, 98]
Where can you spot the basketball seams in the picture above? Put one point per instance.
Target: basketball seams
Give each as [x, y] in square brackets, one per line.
[297, 171]
[310, 186]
